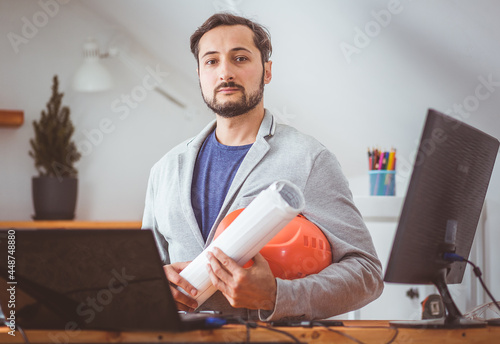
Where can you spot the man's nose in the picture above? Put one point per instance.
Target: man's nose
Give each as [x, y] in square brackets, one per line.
[226, 72]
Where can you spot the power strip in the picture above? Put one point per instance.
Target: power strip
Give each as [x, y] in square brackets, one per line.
[261, 220]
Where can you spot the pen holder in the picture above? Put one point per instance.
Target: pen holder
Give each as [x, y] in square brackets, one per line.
[382, 183]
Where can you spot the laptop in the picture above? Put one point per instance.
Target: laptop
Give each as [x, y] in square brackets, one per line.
[89, 279]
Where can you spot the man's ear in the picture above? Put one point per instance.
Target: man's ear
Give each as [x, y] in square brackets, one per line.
[268, 75]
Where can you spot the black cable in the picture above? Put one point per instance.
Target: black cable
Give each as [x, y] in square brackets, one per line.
[396, 331]
[247, 330]
[248, 326]
[317, 323]
[477, 272]
[295, 339]
[21, 331]
[251, 324]
[395, 335]
[3, 321]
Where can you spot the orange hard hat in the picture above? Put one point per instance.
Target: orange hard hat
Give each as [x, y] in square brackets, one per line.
[298, 250]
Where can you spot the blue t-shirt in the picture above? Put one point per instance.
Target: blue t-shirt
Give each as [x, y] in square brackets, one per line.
[215, 168]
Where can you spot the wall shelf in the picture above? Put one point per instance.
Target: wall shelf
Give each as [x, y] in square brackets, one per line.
[70, 224]
[11, 118]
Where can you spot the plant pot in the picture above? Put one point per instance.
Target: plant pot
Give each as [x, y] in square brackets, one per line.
[54, 198]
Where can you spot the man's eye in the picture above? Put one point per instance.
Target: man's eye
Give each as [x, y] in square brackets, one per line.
[241, 58]
[210, 62]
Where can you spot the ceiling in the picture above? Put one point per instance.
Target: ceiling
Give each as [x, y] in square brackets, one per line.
[164, 26]
[427, 54]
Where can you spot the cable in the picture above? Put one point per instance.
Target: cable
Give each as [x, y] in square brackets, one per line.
[457, 258]
[295, 339]
[317, 323]
[250, 324]
[247, 330]
[395, 335]
[396, 331]
[3, 321]
[21, 331]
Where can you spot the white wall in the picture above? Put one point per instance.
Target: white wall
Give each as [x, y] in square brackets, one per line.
[115, 165]
[429, 54]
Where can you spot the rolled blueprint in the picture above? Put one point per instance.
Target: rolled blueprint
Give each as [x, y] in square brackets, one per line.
[257, 224]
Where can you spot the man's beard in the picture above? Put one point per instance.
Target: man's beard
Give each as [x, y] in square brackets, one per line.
[235, 108]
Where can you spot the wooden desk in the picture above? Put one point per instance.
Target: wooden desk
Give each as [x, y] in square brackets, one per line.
[363, 331]
[63, 224]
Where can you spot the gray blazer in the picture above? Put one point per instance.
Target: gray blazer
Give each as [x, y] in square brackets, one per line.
[279, 152]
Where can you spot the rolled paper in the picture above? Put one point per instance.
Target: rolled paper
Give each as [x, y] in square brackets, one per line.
[257, 224]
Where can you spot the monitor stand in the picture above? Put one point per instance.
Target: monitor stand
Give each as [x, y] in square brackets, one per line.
[453, 319]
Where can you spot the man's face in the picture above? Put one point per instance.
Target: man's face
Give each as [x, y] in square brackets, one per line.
[230, 69]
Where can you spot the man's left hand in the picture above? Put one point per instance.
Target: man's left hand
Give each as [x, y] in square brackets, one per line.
[252, 288]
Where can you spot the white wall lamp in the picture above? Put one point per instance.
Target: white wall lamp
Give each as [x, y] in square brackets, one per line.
[92, 76]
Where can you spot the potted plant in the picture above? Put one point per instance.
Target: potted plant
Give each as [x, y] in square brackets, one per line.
[55, 189]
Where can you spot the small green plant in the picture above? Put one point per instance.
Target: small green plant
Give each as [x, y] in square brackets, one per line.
[52, 148]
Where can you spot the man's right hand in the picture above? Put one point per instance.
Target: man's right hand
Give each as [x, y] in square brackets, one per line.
[184, 302]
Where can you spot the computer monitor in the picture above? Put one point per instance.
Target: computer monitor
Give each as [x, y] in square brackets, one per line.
[441, 211]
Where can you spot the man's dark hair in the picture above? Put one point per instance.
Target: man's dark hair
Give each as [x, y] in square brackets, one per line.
[261, 36]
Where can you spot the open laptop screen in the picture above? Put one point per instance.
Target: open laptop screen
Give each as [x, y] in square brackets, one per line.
[83, 279]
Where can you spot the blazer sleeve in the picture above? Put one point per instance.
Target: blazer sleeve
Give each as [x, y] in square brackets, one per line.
[149, 219]
[355, 277]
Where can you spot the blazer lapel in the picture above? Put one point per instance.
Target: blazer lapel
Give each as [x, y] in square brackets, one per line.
[254, 156]
[187, 161]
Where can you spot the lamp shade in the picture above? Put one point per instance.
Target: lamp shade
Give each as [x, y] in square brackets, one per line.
[91, 76]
